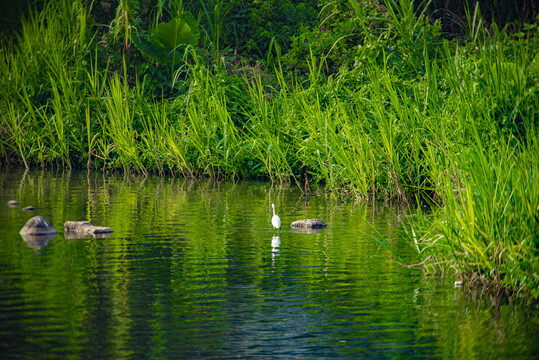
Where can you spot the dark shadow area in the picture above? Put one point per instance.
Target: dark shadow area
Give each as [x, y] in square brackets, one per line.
[452, 13]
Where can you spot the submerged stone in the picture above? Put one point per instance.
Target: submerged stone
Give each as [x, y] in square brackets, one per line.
[84, 227]
[12, 203]
[38, 225]
[309, 224]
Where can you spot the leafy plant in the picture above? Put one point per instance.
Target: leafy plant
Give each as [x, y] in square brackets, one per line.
[167, 41]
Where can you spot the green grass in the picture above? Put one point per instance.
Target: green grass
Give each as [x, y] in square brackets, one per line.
[417, 117]
[488, 228]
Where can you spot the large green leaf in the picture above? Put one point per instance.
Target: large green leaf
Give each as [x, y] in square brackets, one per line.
[176, 34]
[167, 39]
[148, 48]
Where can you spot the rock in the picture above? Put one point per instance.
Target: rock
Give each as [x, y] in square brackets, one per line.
[12, 203]
[85, 227]
[29, 208]
[309, 224]
[38, 225]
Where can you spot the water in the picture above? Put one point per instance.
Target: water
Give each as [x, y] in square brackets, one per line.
[193, 270]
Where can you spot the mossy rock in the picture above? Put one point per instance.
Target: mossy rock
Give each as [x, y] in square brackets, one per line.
[309, 224]
[85, 227]
[38, 225]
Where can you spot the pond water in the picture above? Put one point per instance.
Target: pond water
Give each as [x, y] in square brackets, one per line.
[193, 270]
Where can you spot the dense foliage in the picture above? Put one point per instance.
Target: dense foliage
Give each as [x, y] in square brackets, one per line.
[361, 97]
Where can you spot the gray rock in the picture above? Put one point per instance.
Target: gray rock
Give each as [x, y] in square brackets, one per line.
[29, 208]
[309, 224]
[38, 225]
[85, 227]
[12, 203]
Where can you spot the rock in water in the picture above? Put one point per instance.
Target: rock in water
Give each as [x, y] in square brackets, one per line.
[85, 227]
[309, 224]
[38, 225]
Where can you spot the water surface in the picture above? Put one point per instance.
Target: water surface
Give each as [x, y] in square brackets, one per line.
[193, 270]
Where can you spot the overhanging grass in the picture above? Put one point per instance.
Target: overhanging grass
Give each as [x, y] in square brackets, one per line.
[488, 228]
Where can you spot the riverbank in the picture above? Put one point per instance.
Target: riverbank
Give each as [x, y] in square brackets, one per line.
[407, 116]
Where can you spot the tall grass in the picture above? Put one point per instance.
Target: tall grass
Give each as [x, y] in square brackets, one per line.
[489, 227]
[40, 97]
[269, 132]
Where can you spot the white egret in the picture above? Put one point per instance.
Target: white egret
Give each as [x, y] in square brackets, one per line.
[275, 220]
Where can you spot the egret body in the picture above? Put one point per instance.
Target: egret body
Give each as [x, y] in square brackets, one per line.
[275, 220]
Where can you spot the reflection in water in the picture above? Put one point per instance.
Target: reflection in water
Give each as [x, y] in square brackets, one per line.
[72, 235]
[307, 230]
[37, 242]
[185, 275]
[275, 244]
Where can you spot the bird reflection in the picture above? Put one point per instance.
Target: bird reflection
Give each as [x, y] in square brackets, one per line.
[275, 244]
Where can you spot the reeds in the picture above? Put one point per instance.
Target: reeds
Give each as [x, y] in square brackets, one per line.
[489, 228]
